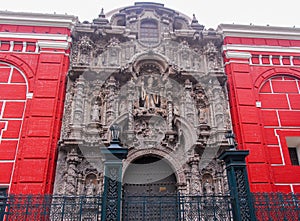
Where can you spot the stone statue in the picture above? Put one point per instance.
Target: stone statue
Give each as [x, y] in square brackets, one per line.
[148, 95]
[90, 188]
[207, 187]
[95, 112]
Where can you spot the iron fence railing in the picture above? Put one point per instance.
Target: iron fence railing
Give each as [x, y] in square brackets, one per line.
[276, 206]
[177, 207]
[267, 207]
[81, 208]
[48, 207]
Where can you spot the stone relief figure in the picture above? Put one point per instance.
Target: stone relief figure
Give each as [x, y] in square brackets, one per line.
[90, 188]
[71, 173]
[203, 114]
[211, 52]
[85, 46]
[95, 112]
[71, 179]
[207, 188]
[208, 184]
[149, 97]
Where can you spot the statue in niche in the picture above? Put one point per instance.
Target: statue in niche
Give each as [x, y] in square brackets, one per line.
[149, 97]
[207, 187]
[77, 117]
[95, 112]
[90, 188]
[203, 112]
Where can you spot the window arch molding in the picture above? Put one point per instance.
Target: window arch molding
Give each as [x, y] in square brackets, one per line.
[278, 77]
[23, 67]
[265, 76]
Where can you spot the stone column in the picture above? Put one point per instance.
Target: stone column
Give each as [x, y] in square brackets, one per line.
[76, 127]
[71, 180]
[110, 104]
[195, 186]
[130, 98]
[170, 114]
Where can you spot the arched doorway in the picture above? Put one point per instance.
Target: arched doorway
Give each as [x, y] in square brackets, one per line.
[149, 190]
[149, 176]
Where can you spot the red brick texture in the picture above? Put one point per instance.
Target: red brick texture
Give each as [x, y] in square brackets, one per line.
[263, 128]
[32, 87]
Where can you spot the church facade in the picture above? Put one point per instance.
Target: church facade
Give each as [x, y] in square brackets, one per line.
[159, 76]
[173, 87]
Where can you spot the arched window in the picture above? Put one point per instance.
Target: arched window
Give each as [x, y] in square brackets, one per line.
[280, 92]
[149, 33]
[280, 108]
[13, 99]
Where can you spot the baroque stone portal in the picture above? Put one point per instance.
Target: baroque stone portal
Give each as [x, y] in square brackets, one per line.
[158, 74]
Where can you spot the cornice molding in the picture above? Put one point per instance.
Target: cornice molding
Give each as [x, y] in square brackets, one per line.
[240, 55]
[253, 31]
[35, 36]
[37, 19]
[53, 45]
[260, 48]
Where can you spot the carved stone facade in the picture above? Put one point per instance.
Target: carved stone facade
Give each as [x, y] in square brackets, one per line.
[159, 75]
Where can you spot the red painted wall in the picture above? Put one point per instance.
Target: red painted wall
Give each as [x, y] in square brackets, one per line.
[32, 87]
[270, 78]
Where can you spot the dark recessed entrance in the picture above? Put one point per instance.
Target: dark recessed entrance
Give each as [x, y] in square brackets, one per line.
[149, 175]
[149, 190]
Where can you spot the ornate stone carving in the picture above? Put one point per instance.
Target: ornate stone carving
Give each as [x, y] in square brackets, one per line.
[85, 46]
[169, 98]
[211, 52]
[71, 181]
[195, 186]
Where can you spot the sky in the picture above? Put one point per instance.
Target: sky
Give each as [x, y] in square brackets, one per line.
[210, 13]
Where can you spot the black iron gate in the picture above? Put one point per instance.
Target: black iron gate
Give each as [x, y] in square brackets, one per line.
[177, 207]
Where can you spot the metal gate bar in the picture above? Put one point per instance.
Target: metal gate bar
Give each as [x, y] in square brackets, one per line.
[177, 207]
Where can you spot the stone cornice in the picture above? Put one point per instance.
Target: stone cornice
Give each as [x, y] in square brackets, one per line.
[239, 55]
[53, 44]
[261, 48]
[37, 19]
[36, 36]
[253, 31]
